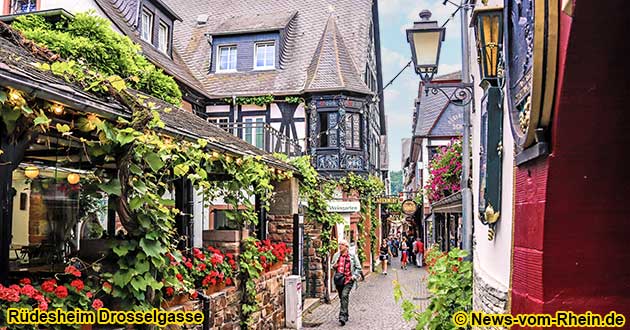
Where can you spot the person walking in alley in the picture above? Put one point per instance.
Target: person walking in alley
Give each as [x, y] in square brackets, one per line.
[418, 249]
[404, 250]
[347, 271]
[384, 254]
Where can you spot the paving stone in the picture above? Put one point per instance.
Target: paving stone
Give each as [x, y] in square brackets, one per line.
[372, 305]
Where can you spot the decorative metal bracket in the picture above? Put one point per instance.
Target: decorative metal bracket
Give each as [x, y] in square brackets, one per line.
[462, 94]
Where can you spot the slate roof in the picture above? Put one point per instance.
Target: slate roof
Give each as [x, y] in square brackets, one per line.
[238, 24]
[435, 106]
[332, 67]
[124, 15]
[353, 18]
[17, 71]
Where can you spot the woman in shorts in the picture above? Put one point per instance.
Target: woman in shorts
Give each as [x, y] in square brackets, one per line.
[384, 254]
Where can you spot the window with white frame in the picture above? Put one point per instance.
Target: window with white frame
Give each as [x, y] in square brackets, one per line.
[163, 37]
[265, 55]
[253, 131]
[22, 6]
[227, 58]
[147, 26]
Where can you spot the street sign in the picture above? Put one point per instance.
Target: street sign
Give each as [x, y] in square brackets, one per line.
[344, 206]
[409, 207]
[387, 200]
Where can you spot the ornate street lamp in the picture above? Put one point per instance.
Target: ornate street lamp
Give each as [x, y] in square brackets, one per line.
[425, 40]
[488, 23]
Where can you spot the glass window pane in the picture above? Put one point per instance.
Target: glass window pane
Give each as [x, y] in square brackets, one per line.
[259, 133]
[248, 131]
[163, 38]
[147, 26]
[232, 64]
[356, 131]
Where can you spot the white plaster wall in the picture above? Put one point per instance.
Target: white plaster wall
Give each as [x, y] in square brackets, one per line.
[20, 217]
[200, 218]
[492, 258]
[218, 108]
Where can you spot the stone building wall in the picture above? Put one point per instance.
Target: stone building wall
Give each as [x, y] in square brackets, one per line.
[489, 296]
[225, 305]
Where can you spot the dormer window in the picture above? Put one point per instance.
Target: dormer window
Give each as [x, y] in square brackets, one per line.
[265, 56]
[163, 37]
[227, 59]
[147, 26]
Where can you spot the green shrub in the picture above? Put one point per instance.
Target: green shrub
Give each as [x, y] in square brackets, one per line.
[90, 39]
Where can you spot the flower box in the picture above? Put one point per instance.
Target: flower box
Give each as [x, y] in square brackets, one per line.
[214, 288]
[178, 299]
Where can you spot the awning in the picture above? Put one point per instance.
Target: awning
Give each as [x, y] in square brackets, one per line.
[449, 204]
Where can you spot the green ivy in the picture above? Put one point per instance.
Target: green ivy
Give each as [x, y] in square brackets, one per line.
[369, 188]
[90, 39]
[316, 192]
[250, 270]
[294, 99]
[450, 283]
[260, 101]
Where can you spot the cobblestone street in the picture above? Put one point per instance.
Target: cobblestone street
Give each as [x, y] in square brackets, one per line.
[372, 305]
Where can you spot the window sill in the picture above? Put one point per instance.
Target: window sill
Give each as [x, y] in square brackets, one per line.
[225, 71]
[265, 69]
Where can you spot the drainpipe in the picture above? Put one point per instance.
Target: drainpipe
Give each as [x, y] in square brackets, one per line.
[208, 321]
[467, 225]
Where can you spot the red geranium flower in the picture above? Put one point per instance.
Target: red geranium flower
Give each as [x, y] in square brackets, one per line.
[73, 270]
[228, 281]
[42, 305]
[25, 281]
[180, 277]
[49, 286]
[97, 304]
[77, 284]
[89, 295]
[61, 292]
[28, 290]
[189, 264]
[194, 295]
[201, 267]
[169, 291]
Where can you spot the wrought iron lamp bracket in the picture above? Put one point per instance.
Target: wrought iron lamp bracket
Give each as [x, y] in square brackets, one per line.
[460, 94]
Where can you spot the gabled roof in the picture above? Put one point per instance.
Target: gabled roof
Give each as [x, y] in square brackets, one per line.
[434, 110]
[332, 68]
[248, 23]
[17, 70]
[353, 19]
[124, 15]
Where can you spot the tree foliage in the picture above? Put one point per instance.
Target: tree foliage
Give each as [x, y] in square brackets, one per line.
[89, 39]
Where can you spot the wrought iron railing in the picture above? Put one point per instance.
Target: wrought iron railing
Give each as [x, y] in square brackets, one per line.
[264, 137]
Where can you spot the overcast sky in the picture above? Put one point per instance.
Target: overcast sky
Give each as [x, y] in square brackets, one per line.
[395, 17]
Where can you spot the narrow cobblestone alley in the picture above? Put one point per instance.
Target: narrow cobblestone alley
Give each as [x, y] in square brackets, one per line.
[372, 305]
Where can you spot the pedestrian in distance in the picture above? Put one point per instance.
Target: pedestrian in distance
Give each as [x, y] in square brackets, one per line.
[384, 254]
[411, 241]
[418, 249]
[404, 250]
[396, 244]
[347, 271]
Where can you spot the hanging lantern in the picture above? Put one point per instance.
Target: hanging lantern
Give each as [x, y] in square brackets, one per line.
[31, 172]
[57, 109]
[73, 178]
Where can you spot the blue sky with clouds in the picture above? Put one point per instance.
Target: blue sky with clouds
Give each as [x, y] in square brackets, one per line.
[395, 17]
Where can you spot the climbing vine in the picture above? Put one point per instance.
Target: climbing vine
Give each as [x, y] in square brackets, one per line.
[88, 38]
[316, 192]
[368, 189]
[263, 100]
[147, 165]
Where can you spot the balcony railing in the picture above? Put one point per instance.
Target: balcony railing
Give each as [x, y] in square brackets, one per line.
[264, 137]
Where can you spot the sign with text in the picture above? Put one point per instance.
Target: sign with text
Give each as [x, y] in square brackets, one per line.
[344, 206]
[387, 200]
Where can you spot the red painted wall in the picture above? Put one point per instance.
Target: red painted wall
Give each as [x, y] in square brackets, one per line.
[572, 209]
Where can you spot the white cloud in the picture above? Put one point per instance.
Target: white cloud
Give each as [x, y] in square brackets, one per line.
[448, 68]
[393, 59]
[393, 7]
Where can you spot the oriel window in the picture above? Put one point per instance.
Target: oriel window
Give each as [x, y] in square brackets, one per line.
[353, 130]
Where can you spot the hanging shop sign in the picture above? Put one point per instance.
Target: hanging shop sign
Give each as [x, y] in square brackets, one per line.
[531, 62]
[409, 207]
[387, 200]
[344, 206]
